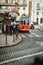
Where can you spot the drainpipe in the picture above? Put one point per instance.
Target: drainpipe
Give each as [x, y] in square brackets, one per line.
[30, 9]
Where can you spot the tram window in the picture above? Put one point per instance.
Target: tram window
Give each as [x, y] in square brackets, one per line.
[21, 21]
[28, 23]
[24, 22]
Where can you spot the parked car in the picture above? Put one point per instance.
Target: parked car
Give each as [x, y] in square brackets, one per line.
[32, 26]
[34, 23]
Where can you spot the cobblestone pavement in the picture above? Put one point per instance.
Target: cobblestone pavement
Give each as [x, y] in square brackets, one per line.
[12, 54]
[27, 46]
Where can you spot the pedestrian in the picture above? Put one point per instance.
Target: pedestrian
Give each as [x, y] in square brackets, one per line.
[11, 29]
[16, 31]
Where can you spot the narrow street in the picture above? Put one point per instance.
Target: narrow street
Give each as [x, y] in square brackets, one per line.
[17, 46]
[31, 43]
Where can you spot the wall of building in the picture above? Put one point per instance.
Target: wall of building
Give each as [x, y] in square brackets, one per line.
[2, 1]
[34, 10]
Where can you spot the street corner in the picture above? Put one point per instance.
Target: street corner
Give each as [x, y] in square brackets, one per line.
[39, 43]
[10, 41]
[40, 29]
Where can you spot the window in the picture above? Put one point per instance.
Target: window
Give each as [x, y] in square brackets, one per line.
[37, 13]
[38, 6]
[41, 20]
[24, 22]
[21, 21]
[24, 1]
[12, 1]
[28, 22]
[23, 8]
[18, 1]
[37, 20]
[6, 1]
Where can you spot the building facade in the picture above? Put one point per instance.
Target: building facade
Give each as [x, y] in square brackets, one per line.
[37, 11]
[32, 8]
[21, 5]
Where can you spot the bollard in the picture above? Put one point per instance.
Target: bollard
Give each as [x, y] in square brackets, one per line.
[6, 38]
[16, 31]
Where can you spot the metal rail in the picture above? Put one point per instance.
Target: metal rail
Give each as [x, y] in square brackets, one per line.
[22, 57]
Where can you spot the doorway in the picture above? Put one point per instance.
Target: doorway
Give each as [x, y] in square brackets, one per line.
[41, 20]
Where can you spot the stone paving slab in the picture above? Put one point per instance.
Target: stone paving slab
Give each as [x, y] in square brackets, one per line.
[9, 40]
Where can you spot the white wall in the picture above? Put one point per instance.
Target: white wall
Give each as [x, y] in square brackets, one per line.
[34, 11]
[2, 1]
[21, 11]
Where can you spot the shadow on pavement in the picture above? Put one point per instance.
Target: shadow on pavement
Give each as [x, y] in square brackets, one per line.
[37, 61]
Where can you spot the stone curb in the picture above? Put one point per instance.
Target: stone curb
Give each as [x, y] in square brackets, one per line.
[40, 29]
[20, 40]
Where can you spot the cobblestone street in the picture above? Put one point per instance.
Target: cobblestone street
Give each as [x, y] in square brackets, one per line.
[27, 46]
[21, 32]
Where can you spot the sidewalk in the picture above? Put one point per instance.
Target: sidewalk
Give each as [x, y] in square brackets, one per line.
[9, 40]
[38, 27]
